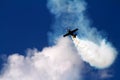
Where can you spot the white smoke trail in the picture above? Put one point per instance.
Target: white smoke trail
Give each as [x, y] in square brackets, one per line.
[71, 14]
[93, 48]
[100, 56]
[68, 13]
[59, 62]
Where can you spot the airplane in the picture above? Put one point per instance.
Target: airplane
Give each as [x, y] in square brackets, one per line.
[71, 32]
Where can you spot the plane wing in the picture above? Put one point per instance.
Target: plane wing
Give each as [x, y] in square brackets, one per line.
[66, 34]
[75, 30]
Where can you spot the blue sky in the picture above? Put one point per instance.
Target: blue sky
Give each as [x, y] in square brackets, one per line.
[25, 24]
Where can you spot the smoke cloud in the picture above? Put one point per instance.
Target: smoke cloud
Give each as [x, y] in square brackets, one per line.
[71, 14]
[59, 62]
[99, 56]
[92, 47]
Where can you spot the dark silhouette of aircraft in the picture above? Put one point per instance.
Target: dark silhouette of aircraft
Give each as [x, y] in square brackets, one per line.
[71, 32]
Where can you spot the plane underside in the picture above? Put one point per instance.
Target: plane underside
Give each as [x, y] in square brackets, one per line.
[71, 32]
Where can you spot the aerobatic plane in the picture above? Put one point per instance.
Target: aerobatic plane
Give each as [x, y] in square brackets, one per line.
[71, 32]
